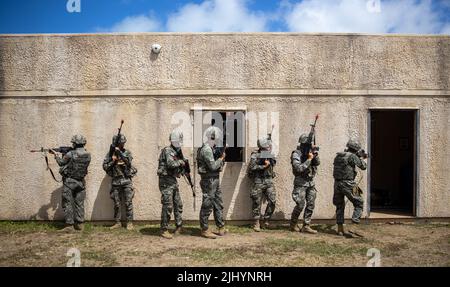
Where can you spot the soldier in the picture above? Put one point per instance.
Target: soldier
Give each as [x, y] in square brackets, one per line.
[171, 167]
[117, 164]
[304, 168]
[73, 168]
[344, 174]
[209, 167]
[260, 170]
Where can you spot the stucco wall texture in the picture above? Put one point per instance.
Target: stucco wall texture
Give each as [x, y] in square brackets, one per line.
[53, 86]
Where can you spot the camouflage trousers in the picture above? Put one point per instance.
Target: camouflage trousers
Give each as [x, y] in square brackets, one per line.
[171, 201]
[73, 195]
[123, 193]
[342, 189]
[304, 193]
[211, 201]
[263, 188]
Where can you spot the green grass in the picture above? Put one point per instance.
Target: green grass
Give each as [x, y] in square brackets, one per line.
[393, 249]
[215, 256]
[28, 226]
[430, 225]
[105, 258]
[320, 248]
[39, 226]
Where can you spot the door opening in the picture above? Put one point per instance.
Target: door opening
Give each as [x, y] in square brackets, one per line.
[232, 125]
[393, 140]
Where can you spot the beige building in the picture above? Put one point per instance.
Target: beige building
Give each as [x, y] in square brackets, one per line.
[390, 91]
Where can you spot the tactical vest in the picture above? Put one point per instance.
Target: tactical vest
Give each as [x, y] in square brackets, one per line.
[342, 169]
[201, 162]
[202, 168]
[162, 164]
[122, 171]
[77, 167]
[265, 173]
[309, 173]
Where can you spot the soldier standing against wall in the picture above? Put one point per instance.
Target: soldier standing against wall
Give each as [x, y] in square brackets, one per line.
[171, 167]
[304, 168]
[209, 168]
[260, 170]
[344, 174]
[73, 168]
[117, 164]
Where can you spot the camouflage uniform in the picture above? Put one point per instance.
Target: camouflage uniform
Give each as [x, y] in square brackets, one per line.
[73, 168]
[304, 186]
[169, 169]
[209, 170]
[262, 184]
[344, 174]
[122, 186]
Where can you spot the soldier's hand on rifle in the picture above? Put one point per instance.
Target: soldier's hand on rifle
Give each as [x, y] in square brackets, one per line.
[114, 157]
[310, 155]
[266, 163]
[222, 157]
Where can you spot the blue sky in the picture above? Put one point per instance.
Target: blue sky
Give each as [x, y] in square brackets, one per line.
[99, 16]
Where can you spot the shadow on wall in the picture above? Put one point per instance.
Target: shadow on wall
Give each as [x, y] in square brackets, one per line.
[103, 208]
[239, 205]
[54, 207]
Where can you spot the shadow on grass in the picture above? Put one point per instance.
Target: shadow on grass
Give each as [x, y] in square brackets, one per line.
[30, 226]
[156, 231]
[325, 228]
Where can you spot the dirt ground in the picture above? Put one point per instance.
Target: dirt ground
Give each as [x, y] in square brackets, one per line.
[401, 244]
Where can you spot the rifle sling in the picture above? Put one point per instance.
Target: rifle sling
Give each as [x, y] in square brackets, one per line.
[51, 171]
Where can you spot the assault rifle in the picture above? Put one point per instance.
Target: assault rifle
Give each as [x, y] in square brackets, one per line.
[112, 147]
[310, 145]
[62, 150]
[187, 173]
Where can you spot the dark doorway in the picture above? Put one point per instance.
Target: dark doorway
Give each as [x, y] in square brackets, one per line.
[392, 161]
[232, 125]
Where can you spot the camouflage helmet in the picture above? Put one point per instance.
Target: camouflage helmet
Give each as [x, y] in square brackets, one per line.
[176, 136]
[303, 139]
[264, 143]
[122, 139]
[78, 140]
[354, 144]
[213, 133]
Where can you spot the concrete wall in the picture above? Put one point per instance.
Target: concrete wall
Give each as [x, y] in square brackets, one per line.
[54, 86]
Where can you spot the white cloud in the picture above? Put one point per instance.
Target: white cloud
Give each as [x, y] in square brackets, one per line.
[217, 16]
[404, 16]
[346, 16]
[138, 23]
